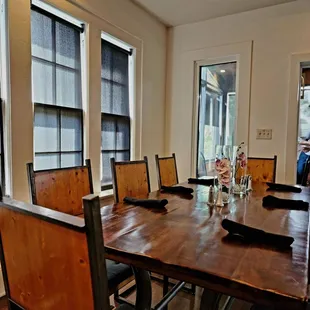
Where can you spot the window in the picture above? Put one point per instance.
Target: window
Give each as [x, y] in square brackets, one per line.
[217, 113]
[2, 175]
[56, 91]
[115, 116]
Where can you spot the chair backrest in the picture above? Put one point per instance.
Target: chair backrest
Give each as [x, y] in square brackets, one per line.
[51, 260]
[61, 189]
[130, 178]
[167, 173]
[262, 169]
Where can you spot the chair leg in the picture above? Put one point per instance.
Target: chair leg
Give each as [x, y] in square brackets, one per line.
[165, 288]
[193, 289]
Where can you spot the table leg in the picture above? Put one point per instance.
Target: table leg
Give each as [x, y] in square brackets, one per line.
[165, 288]
[210, 300]
[144, 289]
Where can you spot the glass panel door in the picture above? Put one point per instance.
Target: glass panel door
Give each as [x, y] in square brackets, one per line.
[217, 112]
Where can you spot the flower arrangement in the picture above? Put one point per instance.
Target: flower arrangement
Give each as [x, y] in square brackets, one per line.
[223, 168]
[241, 159]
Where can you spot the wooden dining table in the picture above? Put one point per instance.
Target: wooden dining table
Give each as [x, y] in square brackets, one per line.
[185, 241]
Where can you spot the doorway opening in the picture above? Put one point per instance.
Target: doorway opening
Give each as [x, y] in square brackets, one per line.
[216, 113]
[303, 146]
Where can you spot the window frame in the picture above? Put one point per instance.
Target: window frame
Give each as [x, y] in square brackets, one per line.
[117, 117]
[59, 108]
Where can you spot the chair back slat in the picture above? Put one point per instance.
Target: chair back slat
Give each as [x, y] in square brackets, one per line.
[262, 169]
[61, 189]
[167, 173]
[46, 258]
[130, 178]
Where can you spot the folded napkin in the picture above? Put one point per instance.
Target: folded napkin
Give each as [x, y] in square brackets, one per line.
[177, 189]
[148, 203]
[274, 202]
[255, 235]
[207, 182]
[283, 187]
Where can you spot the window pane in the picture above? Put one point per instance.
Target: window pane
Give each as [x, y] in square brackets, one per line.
[123, 134]
[217, 113]
[43, 75]
[120, 68]
[106, 96]
[41, 36]
[46, 126]
[46, 161]
[71, 131]
[120, 99]
[108, 132]
[106, 62]
[67, 46]
[122, 156]
[106, 168]
[71, 159]
[114, 86]
[68, 88]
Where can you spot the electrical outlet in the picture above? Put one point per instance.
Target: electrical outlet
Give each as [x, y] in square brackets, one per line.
[264, 134]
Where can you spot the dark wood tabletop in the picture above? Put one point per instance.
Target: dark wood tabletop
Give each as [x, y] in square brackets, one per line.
[187, 242]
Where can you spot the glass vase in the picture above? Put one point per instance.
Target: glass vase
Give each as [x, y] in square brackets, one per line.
[240, 159]
[223, 168]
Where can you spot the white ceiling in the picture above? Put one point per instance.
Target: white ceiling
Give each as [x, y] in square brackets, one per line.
[178, 12]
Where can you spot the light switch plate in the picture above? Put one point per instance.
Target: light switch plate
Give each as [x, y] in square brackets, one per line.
[264, 134]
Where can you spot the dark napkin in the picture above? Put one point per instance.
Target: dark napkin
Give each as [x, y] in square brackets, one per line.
[255, 235]
[207, 182]
[274, 202]
[177, 189]
[283, 187]
[148, 203]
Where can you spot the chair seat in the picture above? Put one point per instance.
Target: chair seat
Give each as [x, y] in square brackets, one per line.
[117, 273]
[125, 307]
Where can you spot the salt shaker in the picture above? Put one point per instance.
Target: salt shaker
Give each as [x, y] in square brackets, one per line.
[249, 187]
[219, 199]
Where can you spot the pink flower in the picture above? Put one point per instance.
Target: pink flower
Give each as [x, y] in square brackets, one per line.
[243, 160]
[223, 170]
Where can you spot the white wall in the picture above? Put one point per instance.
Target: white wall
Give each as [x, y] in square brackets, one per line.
[121, 19]
[277, 32]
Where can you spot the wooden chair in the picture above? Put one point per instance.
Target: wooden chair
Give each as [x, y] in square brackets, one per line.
[51, 260]
[63, 190]
[167, 173]
[262, 169]
[130, 178]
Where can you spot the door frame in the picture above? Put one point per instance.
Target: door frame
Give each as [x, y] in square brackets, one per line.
[241, 53]
[293, 116]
